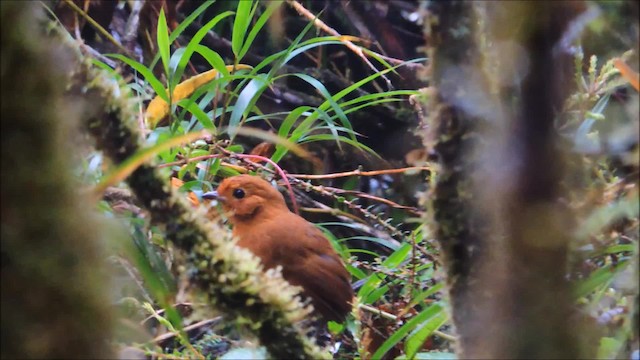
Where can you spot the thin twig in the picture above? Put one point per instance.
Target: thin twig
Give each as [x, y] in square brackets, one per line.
[186, 328]
[359, 172]
[360, 194]
[377, 311]
[186, 161]
[93, 52]
[332, 211]
[97, 26]
[445, 335]
[324, 27]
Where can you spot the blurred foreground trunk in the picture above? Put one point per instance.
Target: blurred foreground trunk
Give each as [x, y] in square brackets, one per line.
[52, 303]
[503, 233]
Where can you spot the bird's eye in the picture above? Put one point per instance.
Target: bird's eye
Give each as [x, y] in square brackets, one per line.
[238, 193]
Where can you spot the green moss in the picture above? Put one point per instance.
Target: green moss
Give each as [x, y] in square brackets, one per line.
[53, 305]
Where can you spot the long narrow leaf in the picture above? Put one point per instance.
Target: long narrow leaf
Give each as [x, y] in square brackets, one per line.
[247, 98]
[195, 40]
[334, 105]
[132, 163]
[273, 5]
[240, 25]
[213, 58]
[162, 36]
[202, 117]
[146, 73]
[598, 278]
[416, 339]
[406, 328]
[267, 136]
[183, 25]
[392, 261]
[325, 137]
[288, 122]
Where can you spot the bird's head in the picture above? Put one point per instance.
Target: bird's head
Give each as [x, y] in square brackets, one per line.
[245, 197]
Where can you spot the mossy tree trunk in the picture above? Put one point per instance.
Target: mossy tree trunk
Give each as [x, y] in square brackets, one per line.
[52, 303]
[494, 204]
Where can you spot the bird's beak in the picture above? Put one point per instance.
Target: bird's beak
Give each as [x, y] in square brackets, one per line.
[212, 195]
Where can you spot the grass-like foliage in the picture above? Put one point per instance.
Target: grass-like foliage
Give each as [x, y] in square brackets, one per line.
[201, 111]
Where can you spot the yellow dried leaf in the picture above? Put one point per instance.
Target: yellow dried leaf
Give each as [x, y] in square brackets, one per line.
[159, 108]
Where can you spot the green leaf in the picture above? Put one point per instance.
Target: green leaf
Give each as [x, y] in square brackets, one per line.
[374, 96]
[281, 58]
[368, 104]
[581, 139]
[240, 25]
[273, 5]
[425, 294]
[376, 240]
[375, 55]
[157, 278]
[378, 292]
[183, 25]
[202, 117]
[375, 279]
[310, 44]
[614, 249]
[334, 105]
[195, 42]
[360, 83]
[398, 256]
[215, 166]
[146, 73]
[355, 272]
[598, 278]
[213, 58]
[291, 118]
[174, 61]
[609, 348]
[434, 310]
[247, 98]
[189, 19]
[416, 339]
[362, 251]
[162, 35]
[308, 122]
[324, 137]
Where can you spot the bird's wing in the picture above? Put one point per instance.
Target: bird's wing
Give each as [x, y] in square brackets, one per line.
[322, 274]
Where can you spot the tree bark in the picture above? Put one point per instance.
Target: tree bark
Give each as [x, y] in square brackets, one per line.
[53, 304]
[494, 205]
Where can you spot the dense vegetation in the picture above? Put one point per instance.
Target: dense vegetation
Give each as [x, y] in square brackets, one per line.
[447, 150]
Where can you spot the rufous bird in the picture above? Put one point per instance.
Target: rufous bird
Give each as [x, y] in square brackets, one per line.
[263, 224]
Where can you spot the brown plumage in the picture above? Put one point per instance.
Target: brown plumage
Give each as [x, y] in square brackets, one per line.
[263, 224]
